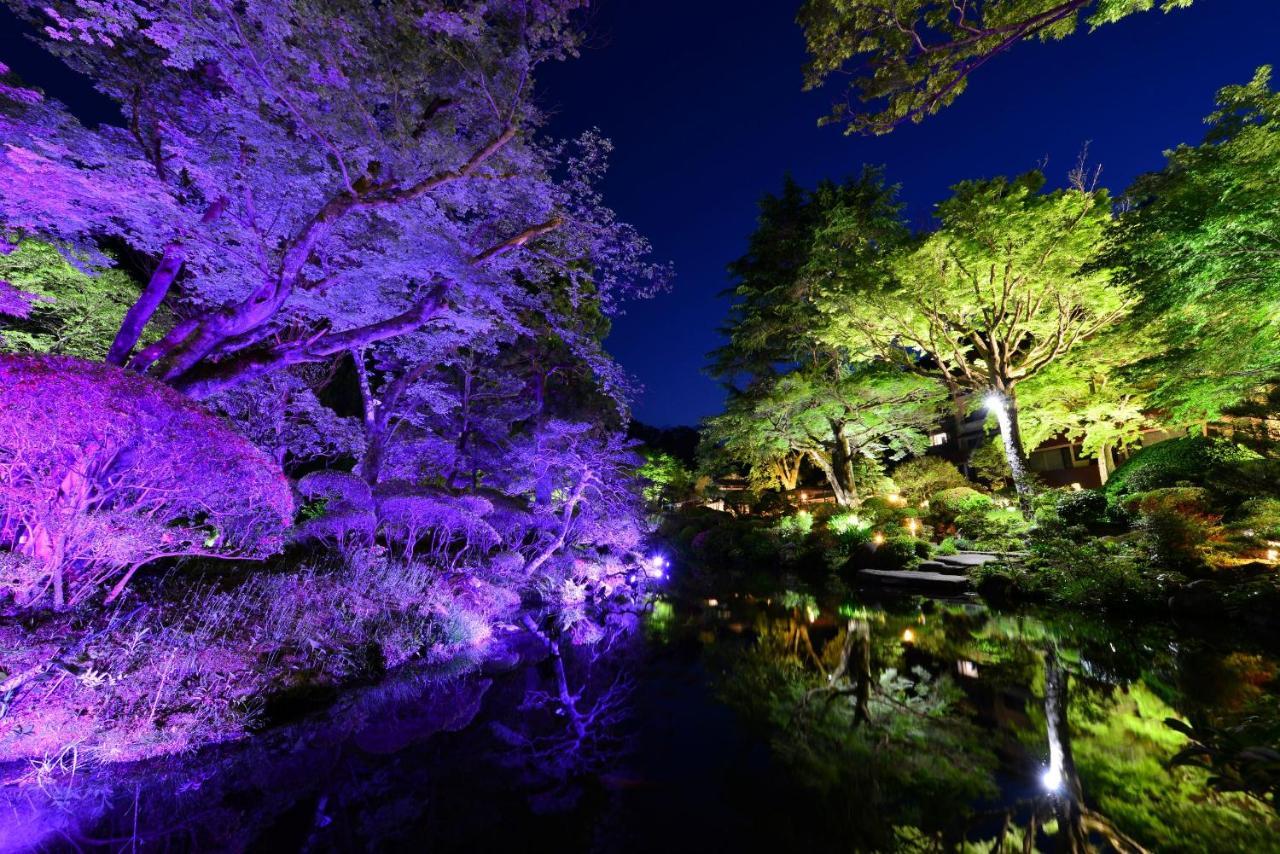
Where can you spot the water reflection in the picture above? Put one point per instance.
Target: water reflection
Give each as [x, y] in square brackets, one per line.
[949, 726]
[738, 724]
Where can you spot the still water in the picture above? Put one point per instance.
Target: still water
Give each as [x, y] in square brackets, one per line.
[742, 724]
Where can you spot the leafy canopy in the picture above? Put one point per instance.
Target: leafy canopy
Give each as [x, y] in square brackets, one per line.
[912, 58]
[1202, 244]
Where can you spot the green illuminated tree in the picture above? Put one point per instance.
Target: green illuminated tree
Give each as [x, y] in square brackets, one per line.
[665, 478]
[912, 58]
[76, 313]
[845, 421]
[1090, 398]
[1202, 244]
[1010, 283]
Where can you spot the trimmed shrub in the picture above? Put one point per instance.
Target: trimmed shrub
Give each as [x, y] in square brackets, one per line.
[1261, 516]
[1194, 460]
[947, 505]
[921, 477]
[897, 552]
[1089, 509]
[993, 528]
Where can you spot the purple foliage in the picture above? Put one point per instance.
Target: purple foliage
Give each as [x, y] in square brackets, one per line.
[15, 302]
[103, 471]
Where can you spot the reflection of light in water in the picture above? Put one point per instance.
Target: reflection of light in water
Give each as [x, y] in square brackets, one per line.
[967, 668]
[1052, 777]
[908, 636]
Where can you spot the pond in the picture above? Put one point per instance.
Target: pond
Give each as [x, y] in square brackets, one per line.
[735, 723]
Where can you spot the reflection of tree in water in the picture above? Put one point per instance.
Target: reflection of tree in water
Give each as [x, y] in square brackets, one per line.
[866, 737]
[980, 732]
[571, 722]
[414, 759]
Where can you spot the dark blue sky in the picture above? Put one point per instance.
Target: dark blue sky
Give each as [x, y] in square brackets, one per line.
[702, 99]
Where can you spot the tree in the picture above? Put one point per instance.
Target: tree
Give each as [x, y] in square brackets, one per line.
[1009, 283]
[914, 57]
[302, 195]
[666, 479]
[103, 471]
[765, 439]
[75, 313]
[845, 425]
[1201, 243]
[1091, 397]
[771, 322]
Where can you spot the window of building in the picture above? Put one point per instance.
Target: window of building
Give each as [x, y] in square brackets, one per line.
[938, 439]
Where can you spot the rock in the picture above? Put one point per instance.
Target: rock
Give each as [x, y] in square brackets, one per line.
[940, 567]
[935, 581]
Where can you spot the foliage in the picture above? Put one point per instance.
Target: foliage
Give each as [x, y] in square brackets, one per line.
[103, 471]
[1088, 574]
[1087, 508]
[990, 465]
[1204, 229]
[947, 505]
[1122, 758]
[993, 528]
[1009, 283]
[898, 551]
[282, 414]
[1197, 460]
[824, 407]
[315, 195]
[921, 477]
[75, 312]
[666, 478]
[1178, 523]
[912, 58]
[795, 527]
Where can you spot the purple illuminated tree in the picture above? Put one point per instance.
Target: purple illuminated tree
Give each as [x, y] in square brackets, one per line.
[103, 471]
[308, 180]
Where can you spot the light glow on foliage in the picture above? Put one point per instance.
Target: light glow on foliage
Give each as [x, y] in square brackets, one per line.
[844, 523]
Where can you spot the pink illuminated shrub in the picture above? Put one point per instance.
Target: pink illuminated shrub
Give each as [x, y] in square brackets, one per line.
[103, 471]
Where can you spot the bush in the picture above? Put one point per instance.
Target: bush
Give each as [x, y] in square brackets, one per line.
[990, 465]
[897, 552]
[1261, 516]
[993, 529]
[947, 547]
[103, 470]
[1194, 460]
[1090, 574]
[795, 527]
[947, 505]
[1091, 510]
[1177, 523]
[919, 478]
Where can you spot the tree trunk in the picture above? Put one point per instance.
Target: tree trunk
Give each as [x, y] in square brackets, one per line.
[788, 471]
[1106, 463]
[1066, 790]
[843, 498]
[374, 421]
[1005, 404]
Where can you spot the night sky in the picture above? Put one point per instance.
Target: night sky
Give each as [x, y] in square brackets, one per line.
[703, 101]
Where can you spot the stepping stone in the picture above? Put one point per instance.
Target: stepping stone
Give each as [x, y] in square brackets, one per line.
[967, 558]
[934, 581]
[940, 566]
